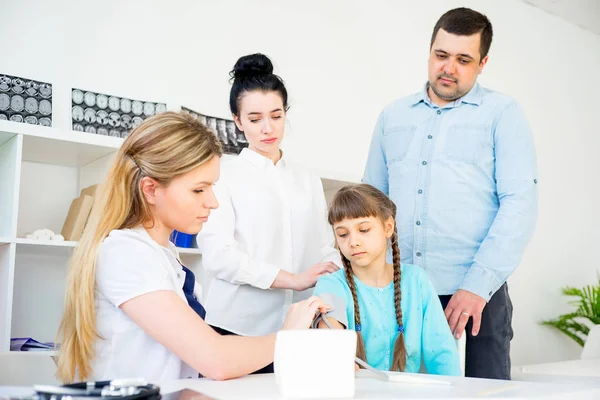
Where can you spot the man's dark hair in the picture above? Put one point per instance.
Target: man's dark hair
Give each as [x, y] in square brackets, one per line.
[466, 22]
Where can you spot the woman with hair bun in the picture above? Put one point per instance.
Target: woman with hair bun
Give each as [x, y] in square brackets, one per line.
[269, 241]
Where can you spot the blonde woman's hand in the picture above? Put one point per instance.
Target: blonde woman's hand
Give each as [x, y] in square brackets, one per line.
[301, 314]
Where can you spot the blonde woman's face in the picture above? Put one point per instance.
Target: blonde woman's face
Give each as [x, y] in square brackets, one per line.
[363, 240]
[185, 204]
[262, 119]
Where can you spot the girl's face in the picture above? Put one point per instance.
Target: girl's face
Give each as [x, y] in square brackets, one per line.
[185, 203]
[262, 119]
[363, 241]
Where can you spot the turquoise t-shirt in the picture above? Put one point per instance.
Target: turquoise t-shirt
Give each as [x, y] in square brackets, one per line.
[427, 336]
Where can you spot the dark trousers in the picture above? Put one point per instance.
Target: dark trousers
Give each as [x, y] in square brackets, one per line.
[488, 353]
[266, 370]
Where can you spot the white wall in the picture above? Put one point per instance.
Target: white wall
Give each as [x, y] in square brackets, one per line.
[343, 61]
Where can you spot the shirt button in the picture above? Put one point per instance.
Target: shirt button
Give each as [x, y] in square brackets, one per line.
[385, 311]
[387, 352]
[420, 191]
[429, 137]
[535, 181]
[418, 222]
[439, 112]
[418, 254]
[424, 163]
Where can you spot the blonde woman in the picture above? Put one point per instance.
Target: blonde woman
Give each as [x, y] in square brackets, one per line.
[126, 313]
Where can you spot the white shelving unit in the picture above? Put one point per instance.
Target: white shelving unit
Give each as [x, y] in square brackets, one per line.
[41, 171]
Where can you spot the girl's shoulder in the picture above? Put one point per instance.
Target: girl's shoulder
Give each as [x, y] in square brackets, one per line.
[412, 272]
[415, 282]
[338, 277]
[333, 283]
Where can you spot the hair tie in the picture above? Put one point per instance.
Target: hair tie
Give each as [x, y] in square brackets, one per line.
[358, 328]
[400, 329]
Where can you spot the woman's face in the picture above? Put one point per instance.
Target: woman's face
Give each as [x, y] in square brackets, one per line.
[262, 119]
[185, 203]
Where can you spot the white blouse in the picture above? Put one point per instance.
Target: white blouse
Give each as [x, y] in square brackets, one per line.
[270, 217]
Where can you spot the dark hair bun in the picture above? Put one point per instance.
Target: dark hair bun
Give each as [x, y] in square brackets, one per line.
[252, 65]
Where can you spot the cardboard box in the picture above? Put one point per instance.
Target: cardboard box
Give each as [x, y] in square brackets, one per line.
[77, 217]
[93, 190]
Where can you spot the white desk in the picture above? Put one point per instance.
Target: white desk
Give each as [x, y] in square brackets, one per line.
[590, 368]
[263, 387]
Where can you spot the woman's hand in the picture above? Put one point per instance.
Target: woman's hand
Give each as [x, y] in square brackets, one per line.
[301, 314]
[308, 278]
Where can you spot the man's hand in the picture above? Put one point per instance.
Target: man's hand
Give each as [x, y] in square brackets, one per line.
[462, 306]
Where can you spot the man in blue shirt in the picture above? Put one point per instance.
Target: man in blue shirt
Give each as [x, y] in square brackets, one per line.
[459, 162]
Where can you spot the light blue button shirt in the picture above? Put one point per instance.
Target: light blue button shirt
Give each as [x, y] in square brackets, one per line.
[427, 336]
[464, 180]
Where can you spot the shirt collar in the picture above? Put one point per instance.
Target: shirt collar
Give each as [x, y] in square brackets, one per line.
[260, 160]
[143, 233]
[472, 97]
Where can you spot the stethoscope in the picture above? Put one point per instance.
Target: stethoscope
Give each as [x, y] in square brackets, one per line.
[121, 389]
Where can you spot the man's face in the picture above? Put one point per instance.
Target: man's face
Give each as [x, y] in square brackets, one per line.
[454, 63]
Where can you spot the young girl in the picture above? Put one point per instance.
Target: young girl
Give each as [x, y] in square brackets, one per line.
[394, 309]
[269, 241]
[127, 304]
